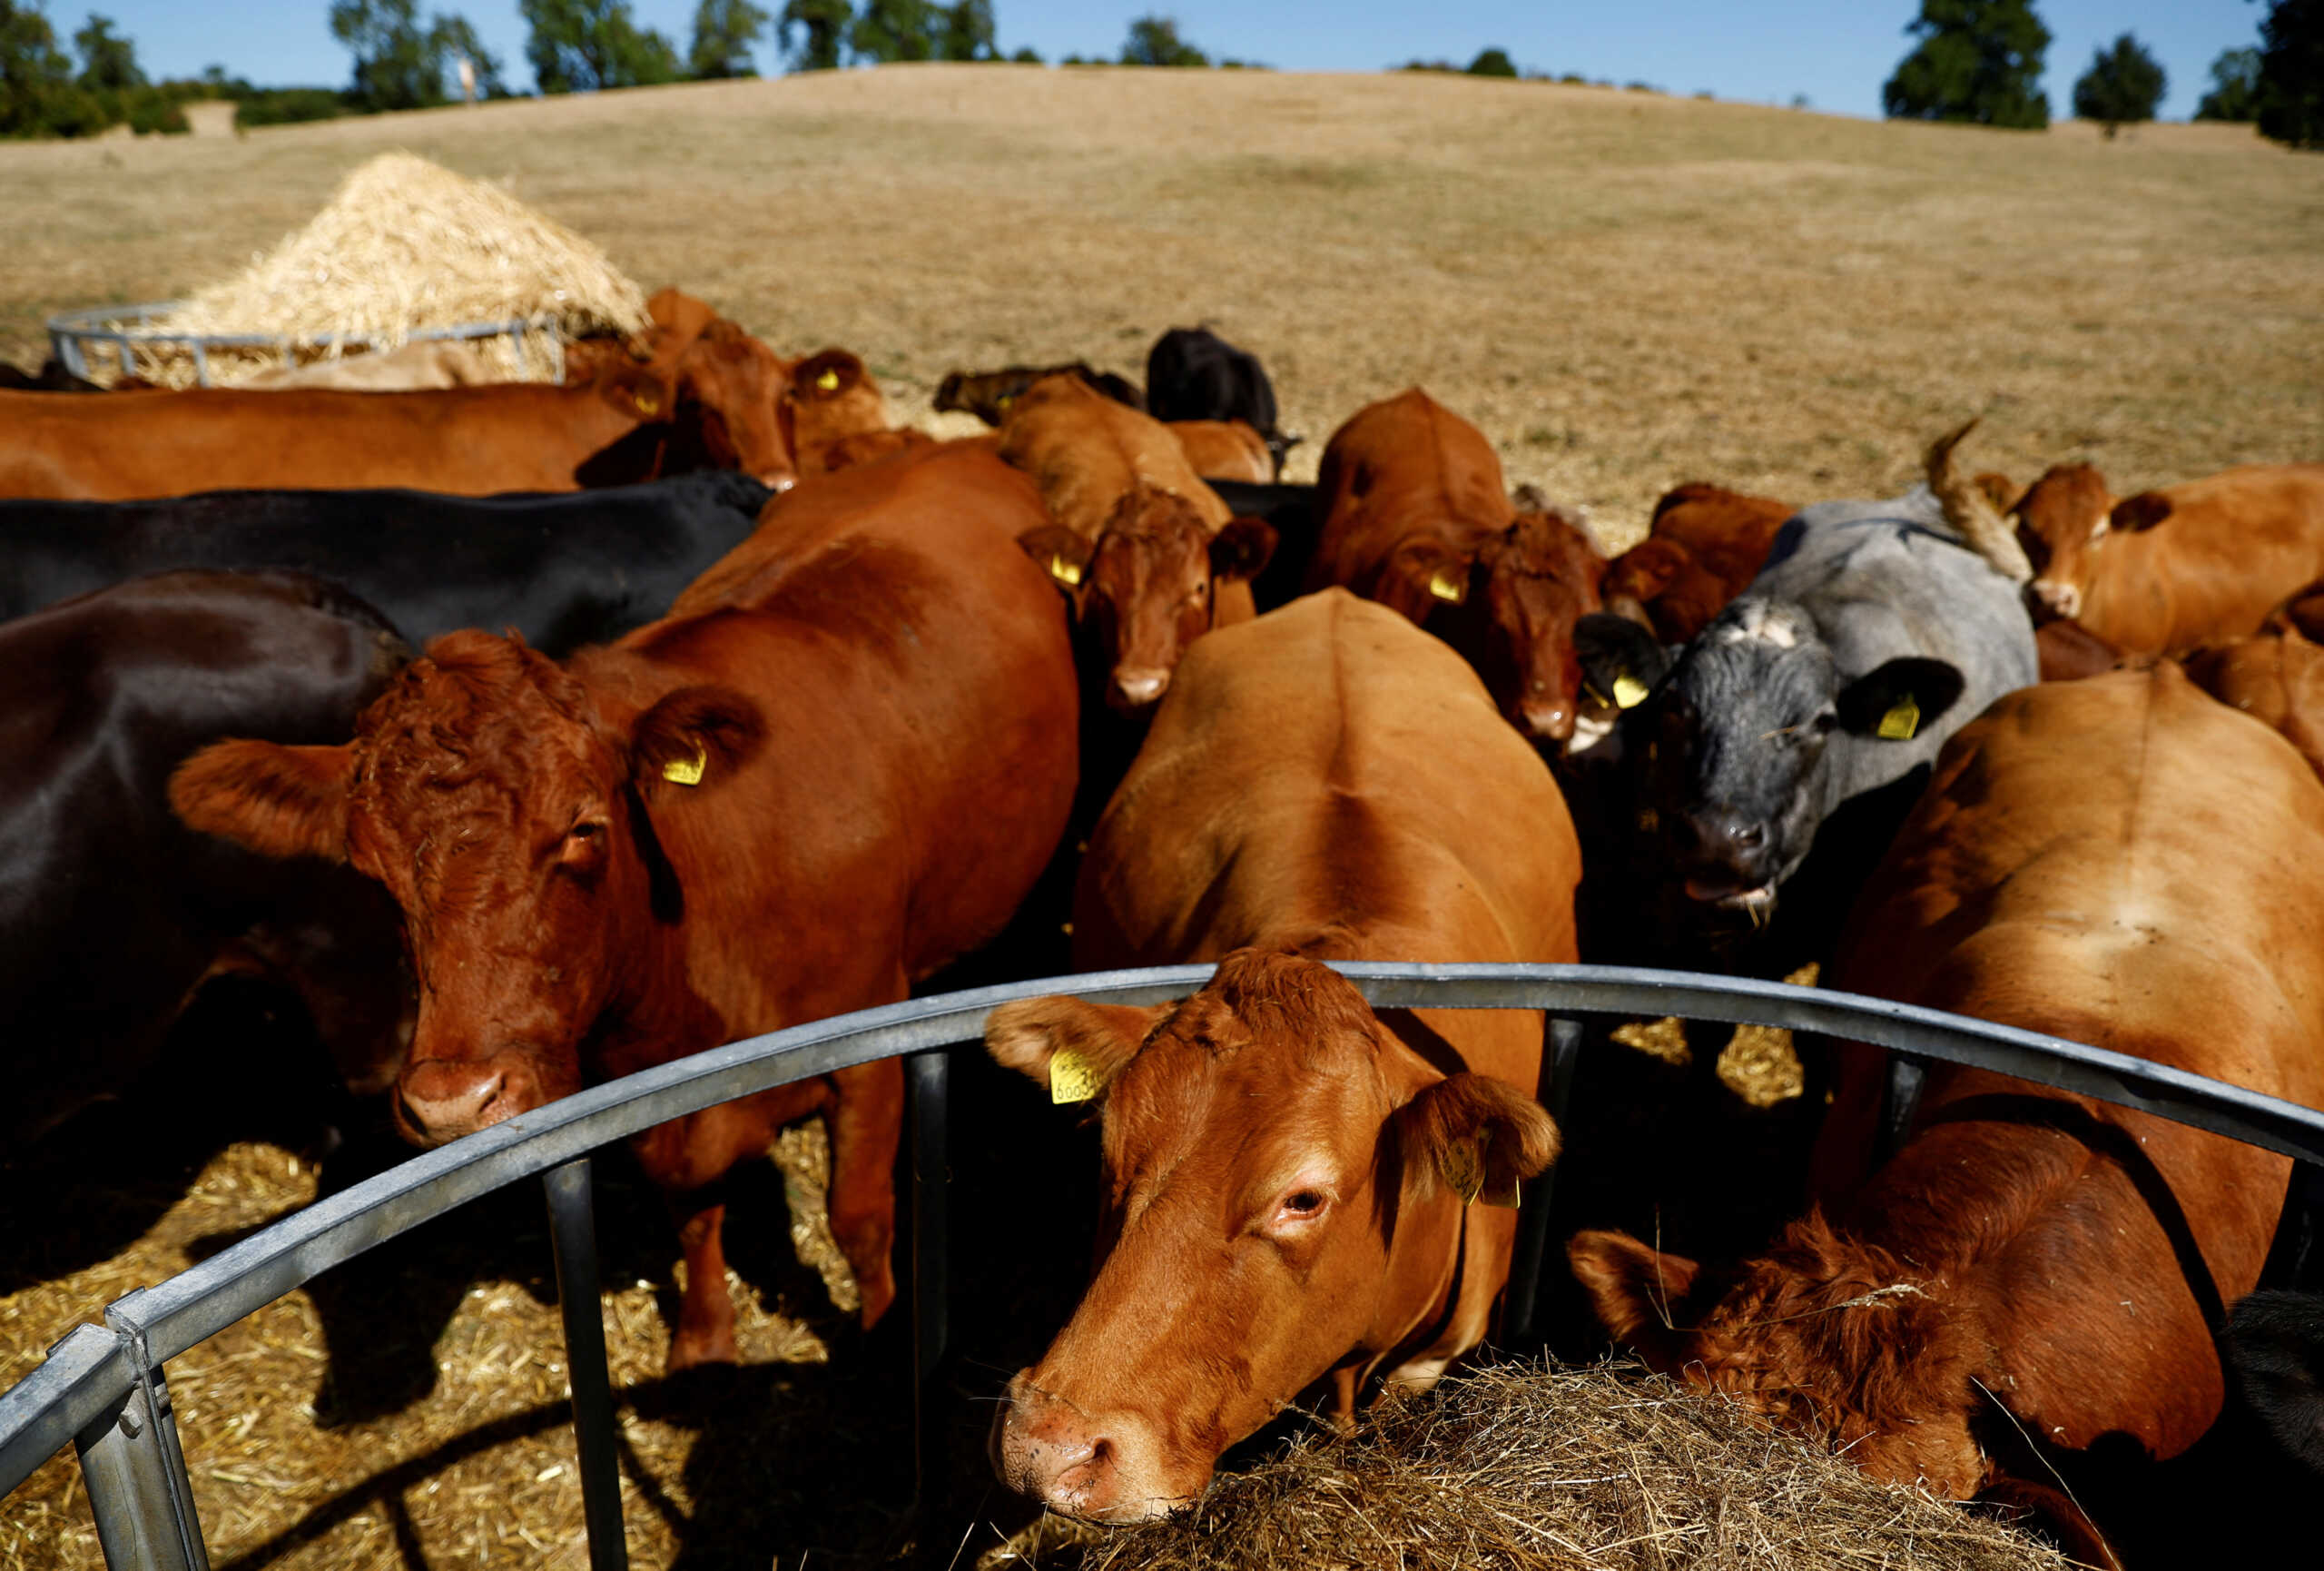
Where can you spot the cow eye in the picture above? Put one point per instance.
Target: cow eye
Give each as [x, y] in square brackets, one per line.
[587, 829]
[1304, 1203]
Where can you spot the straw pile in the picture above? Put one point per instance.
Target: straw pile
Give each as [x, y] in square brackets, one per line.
[404, 244]
[1524, 1469]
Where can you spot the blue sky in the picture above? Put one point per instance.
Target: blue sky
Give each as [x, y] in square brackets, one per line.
[1837, 51]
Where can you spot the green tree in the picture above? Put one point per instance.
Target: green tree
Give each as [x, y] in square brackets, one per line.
[587, 46]
[2235, 87]
[2123, 85]
[1153, 41]
[454, 38]
[397, 66]
[38, 96]
[812, 33]
[725, 33]
[1493, 61]
[886, 31]
[108, 61]
[964, 31]
[1026, 56]
[1978, 61]
[2292, 73]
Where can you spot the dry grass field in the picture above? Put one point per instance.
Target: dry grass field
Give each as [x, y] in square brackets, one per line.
[1624, 290]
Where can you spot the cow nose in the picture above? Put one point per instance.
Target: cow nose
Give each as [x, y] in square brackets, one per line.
[778, 480]
[1728, 837]
[439, 1100]
[1049, 1451]
[1137, 686]
[1547, 722]
[2058, 599]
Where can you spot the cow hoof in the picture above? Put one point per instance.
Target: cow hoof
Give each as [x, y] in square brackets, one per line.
[691, 1352]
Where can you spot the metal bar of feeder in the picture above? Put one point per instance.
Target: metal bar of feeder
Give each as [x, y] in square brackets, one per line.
[573, 1232]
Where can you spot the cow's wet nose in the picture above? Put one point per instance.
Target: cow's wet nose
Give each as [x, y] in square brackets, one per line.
[1728, 841]
[1547, 721]
[436, 1101]
[1048, 1450]
[2058, 599]
[1138, 686]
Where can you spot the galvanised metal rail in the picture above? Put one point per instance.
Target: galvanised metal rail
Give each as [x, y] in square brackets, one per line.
[73, 333]
[102, 1388]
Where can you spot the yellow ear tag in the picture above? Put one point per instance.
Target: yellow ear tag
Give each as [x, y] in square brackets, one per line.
[1628, 692]
[686, 771]
[1444, 586]
[1072, 1078]
[1065, 572]
[1904, 718]
[649, 402]
[1465, 1172]
[828, 382]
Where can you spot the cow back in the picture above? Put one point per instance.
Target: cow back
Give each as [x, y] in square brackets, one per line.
[1404, 470]
[1085, 452]
[2204, 560]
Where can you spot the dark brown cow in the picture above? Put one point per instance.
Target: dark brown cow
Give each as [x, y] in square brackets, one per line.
[1419, 520]
[1149, 555]
[1704, 548]
[1225, 450]
[830, 398]
[2118, 861]
[2164, 571]
[1287, 1177]
[988, 394]
[790, 803]
[627, 425]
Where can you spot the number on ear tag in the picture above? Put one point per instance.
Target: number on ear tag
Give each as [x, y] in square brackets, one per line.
[1072, 1077]
[828, 382]
[1465, 1171]
[1444, 586]
[1904, 718]
[1065, 572]
[1628, 692]
[686, 771]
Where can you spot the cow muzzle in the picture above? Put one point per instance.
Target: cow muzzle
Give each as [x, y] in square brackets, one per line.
[441, 1100]
[1546, 720]
[2063, 601]
[1137, 688]
[1097, 1470]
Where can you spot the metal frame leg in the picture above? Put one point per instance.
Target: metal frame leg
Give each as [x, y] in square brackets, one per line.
[572, 1231]
[1563, 1051]
[1900, 1098]
[928, 1079]
[138, 1489]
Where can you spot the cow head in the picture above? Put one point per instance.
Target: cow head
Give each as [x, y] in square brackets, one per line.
[832, 395]
[509, 810]
[1735, 737]
[731, 388]
[2062, 521]
[1284, 1189]
[1825, 1335]
[1540, 576]
[1150, 585]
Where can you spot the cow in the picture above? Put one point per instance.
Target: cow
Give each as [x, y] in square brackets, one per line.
[831, 398]
[562, 569]
[790, 802]
[1225, 450]
[1288, 1177]
[1149, 555]
[51, 376]
[2118, 861]
[988, 394]
[1705, 546]
[631, 423]
[1417, 518]
[2276, 676]
[2275, 1343]
[1193, 374]
[423, 363]
[2163, 571]
[1875, 631]
[2068, 651]
[115, 914]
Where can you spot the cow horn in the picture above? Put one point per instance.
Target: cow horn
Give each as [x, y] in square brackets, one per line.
[1968, 510]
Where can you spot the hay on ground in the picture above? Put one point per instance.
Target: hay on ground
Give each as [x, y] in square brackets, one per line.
[1527, 1468]
[404, 246]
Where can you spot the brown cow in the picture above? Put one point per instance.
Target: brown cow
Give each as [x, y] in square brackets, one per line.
[627, 425]
[1703, 548]
[831, 397]
[792, 802]
[2276, 676]
[1149, 555]
[1418, 520]
[2118, 861]
[1225, 450]
[1287, 1175]
[2164, 571]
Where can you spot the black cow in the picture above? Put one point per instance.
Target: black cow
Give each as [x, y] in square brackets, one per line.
[1297, 519]
[564, 570]
[1193, 374]
[2275, 1343]
[112, 912]
[51, 376]
[987, 394]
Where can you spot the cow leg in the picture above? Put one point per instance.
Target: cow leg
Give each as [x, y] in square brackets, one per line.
[866, 1119]
[706, 1332]
[687, 1159]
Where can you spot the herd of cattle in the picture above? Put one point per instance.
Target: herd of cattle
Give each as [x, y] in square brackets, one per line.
[776, 710]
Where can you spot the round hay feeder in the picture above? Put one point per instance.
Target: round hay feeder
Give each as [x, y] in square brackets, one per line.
[106, 343]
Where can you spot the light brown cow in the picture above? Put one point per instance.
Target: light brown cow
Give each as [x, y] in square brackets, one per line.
[1225, 450]
[427, 363]
[1287, 1176]
[2166, 571]
[2118, 861]
[2276, 676]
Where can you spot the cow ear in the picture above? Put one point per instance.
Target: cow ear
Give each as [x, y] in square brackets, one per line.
[693, 736]
[1242, 550]
[1896, 701]
[1062, 554]
[2133, 515]
[275, 800]
[1474, 1137]
[1622, 661]
[642, 393]
[1069, 1044]
[1635, 1291]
